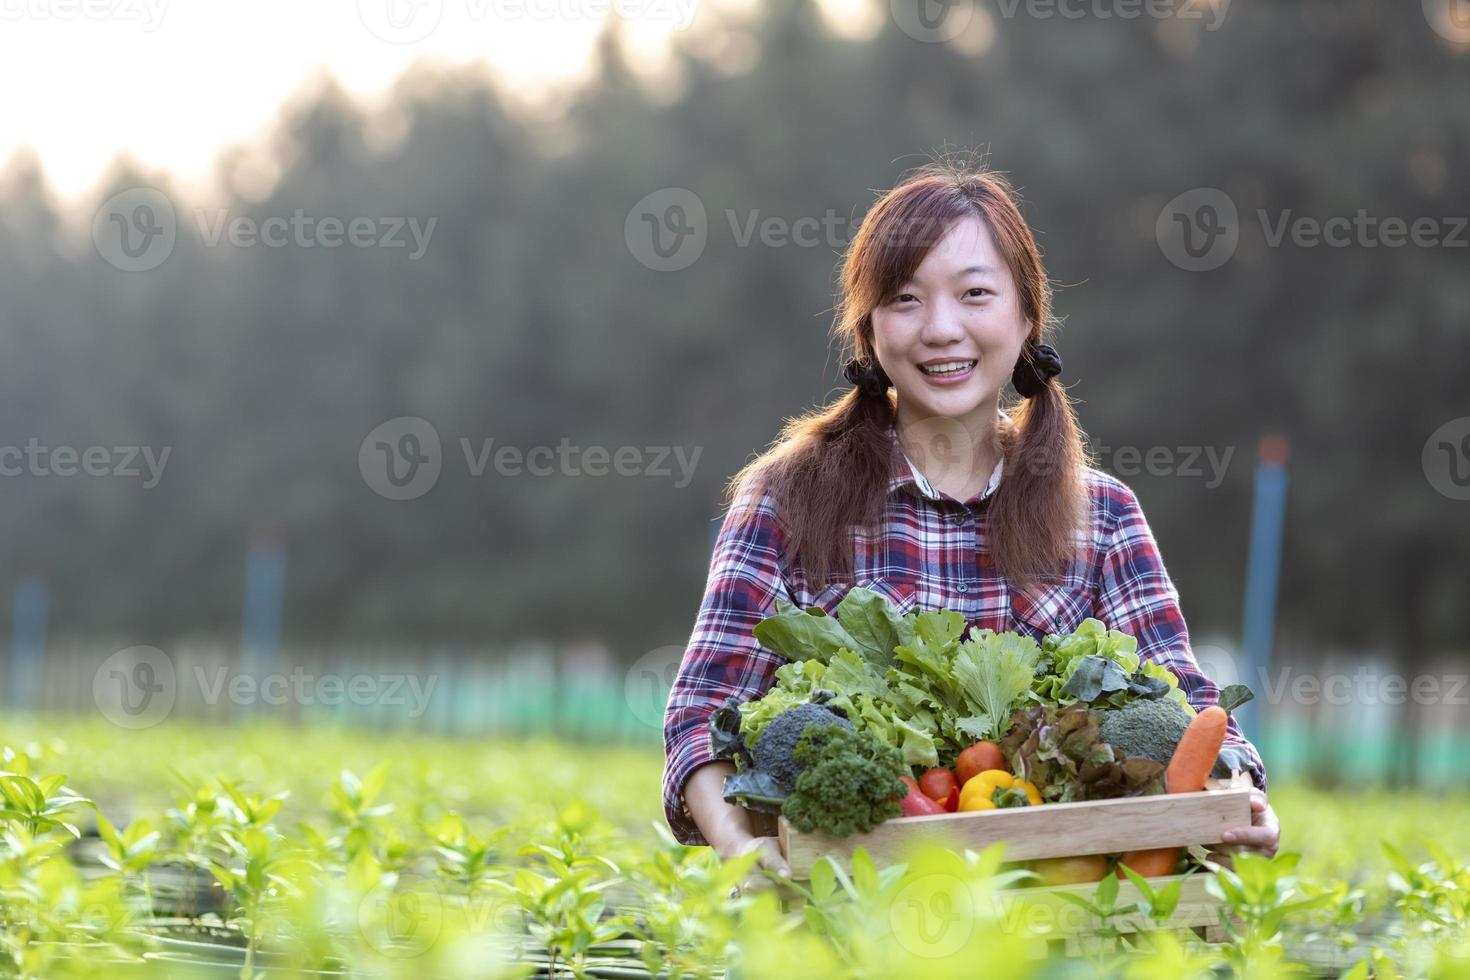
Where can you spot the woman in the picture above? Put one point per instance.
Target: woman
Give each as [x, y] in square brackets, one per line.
[931, 494]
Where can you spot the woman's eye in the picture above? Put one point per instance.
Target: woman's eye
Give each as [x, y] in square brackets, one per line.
[977, 289]
[903, 297]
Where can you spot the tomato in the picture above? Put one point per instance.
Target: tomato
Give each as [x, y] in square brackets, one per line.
[941, 787]
[978, 758]
[916, 804]
[1072, 870]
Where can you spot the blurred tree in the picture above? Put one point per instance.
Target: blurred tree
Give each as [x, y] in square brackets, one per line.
[529, 320]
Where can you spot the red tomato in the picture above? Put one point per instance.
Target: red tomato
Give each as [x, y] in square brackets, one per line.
[978, 758]
[941, 787]
[916, 804]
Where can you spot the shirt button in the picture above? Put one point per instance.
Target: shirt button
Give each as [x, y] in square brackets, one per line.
[962, 587]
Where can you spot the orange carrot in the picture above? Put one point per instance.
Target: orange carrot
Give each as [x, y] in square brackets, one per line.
[1197, 751]
[1189, 767]
[1151, 863]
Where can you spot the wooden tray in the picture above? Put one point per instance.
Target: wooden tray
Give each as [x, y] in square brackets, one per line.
[1046, 831]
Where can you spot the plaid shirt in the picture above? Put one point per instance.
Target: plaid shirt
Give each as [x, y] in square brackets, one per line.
[931, 553]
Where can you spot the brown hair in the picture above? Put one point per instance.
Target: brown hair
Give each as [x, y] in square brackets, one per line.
[829, 469]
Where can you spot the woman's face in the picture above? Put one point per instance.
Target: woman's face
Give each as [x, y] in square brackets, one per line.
[949, 338]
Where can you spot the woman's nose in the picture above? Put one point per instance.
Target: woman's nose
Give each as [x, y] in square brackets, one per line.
[942, 327]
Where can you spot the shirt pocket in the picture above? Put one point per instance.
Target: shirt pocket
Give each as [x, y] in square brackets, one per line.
[903, 593]
[1044, 609]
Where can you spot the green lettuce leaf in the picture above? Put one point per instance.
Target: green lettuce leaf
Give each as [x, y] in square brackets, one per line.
[994, 672]
[798, 634]
[874, 624]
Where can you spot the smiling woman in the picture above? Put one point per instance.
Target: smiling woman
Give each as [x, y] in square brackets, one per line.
[931, 494]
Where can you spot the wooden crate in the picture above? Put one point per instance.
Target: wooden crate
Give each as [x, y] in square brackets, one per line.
[1060, 926]
[1046, 831]
[1063, 830]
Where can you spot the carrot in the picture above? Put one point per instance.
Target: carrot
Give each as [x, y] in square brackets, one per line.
[1189, 767]
[1196, 752]
[1151, 863]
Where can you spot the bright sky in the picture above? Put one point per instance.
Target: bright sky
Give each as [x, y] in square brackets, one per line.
[170, 82]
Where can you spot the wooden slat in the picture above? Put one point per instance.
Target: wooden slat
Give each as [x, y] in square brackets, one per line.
[1050, 830]
[1041, 912]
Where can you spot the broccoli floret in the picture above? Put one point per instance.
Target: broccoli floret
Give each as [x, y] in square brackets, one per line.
[775, 750]
[848, 784]
[1147, 728]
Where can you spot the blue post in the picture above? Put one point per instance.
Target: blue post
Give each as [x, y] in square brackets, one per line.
[1263, 567]
[28, 643]
[265, 589]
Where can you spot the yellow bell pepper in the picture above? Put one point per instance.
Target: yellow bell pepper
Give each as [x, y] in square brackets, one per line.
[994, 788]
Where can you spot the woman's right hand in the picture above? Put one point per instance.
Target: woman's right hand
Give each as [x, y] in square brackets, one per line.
[769, 859]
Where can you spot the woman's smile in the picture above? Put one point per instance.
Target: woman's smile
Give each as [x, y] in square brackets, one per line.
[944, 373]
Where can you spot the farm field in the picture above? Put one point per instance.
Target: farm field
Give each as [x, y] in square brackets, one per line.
[264, 849]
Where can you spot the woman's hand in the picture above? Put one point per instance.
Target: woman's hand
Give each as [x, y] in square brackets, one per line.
[770, 860]
[728, 828]
[1261, 837]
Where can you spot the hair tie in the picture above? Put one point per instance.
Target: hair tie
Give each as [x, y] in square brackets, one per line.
[1037, 365]
[869, 377]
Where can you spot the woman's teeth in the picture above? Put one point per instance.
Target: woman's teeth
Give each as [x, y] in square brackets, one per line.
[951, 367]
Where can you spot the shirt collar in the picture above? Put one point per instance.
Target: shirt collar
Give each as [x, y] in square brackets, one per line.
[905, 472]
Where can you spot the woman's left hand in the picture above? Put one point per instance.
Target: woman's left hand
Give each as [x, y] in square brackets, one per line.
[1261, 837]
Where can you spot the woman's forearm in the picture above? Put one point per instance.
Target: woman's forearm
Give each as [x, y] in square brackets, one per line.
[724, 825]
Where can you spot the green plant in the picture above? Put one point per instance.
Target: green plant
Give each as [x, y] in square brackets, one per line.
[1261, 894]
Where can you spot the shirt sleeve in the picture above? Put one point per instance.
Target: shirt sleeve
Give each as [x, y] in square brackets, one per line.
[723, 657]
[1137, 597]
